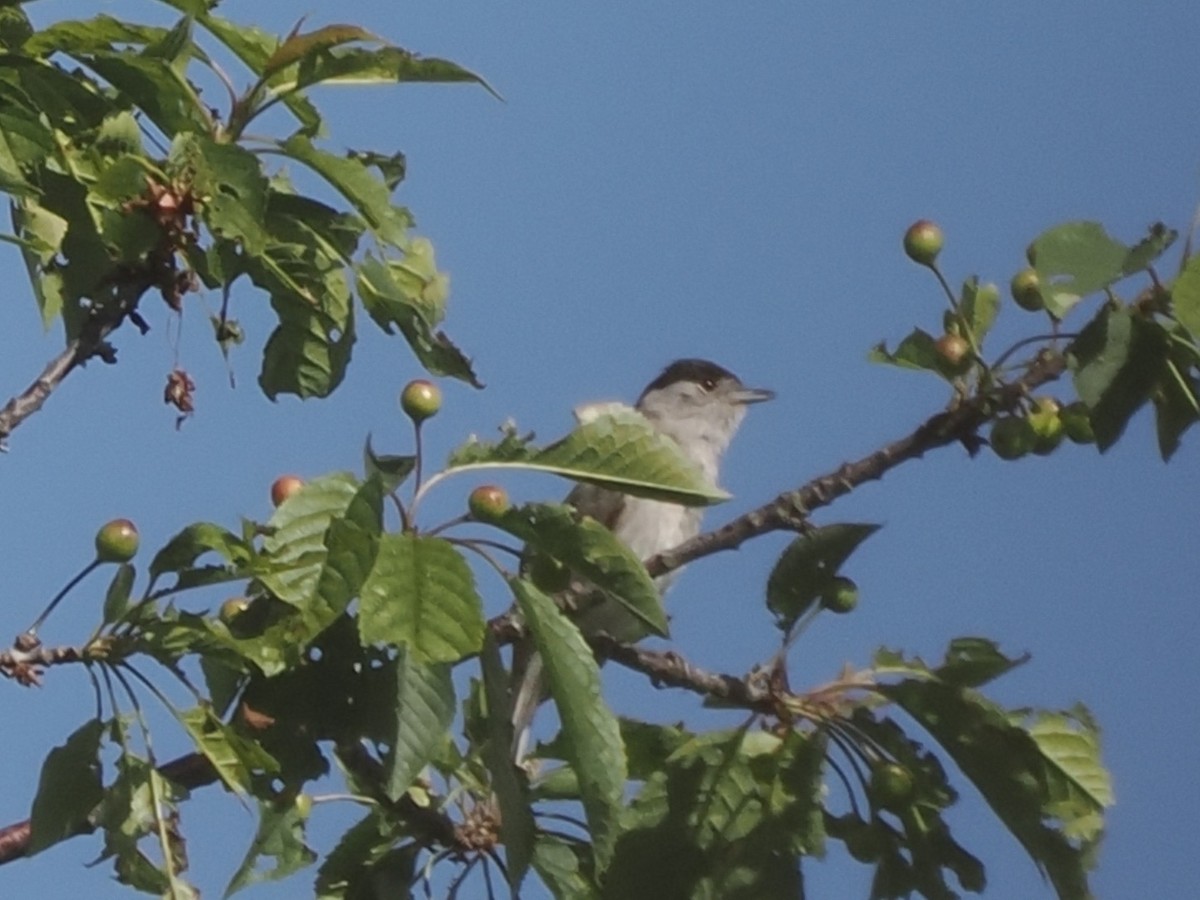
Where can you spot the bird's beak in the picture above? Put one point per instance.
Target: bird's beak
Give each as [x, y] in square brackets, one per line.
[746, 395]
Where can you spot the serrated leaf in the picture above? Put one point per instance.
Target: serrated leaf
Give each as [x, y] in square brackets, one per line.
[307, 354]
[424, 711]
[1041, 804]
[398, 293]
[1116, 362]
[1176, 406]
[1149, 248]
[296, 542]
[597, 556]
[298, 46]
[807, 567]
[1185, 296]
[421, 594]
[592, 737]
[617, 449]
[917, 351]
[69, 788]
[232, 188]
[565, 867]
[969, 662]
[517, 826]
[512, 447]
[391, 470]
[1076, 259]
[155, 88]
[386, 65]
[979, 306]
[280, 838]
[1070, 743]
[234, 757]
[732, 811]
[364, 858]
[194, 541]
[364, 189]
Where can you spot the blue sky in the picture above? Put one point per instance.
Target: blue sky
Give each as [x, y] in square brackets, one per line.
[717, 180]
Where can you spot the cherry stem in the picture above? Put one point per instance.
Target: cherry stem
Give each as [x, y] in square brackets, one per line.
[416, 464]
[84, 573]
[1031, 340]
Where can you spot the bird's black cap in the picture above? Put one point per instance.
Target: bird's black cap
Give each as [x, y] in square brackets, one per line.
[695, 370]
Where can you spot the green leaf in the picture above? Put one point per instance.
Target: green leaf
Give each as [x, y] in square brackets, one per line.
[1185, 296]
[280, 838]
[155, 88]
[970, 662]
[232, 188]
[807, 567]
[421, 594]
[979, 306]
[234, 757]
[1149, 248]
[313, 43]
[565, 867]
[351, 545]
[116, 600]
[364, 858]
[296, 542]
[648, 745]
[308, 353]
[1116, 362]
[136, 804]
[517, 826]
[917, 351]
[386, 65]
[1076, 259]
[424, 711]
[592, 737]
[512, 447]
[598, 557]
[364, 189]
[69, 788]
[391, 470]
[182, 551]
[732, 811]
[410, 295]
[1049, 790]
[615, 448]
[1176, 406]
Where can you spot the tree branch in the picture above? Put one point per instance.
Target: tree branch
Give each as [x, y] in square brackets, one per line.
[791, 509]
[101, 321]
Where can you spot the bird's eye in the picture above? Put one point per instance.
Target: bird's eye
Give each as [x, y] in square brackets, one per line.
[709, 384]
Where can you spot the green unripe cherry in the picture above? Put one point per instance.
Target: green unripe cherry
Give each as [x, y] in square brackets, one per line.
[1077, 422]
[1026, 290]
[117, 541]
[1011, 437]
[923, 242]
[421, 400]
[841, 597]
[891, 786]
[488, 502]
[1047, 425]
[953, 348]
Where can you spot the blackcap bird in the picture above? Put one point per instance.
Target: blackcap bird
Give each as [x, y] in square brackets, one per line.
[699, 405]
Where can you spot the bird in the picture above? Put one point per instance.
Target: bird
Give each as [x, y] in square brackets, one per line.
[699, 405]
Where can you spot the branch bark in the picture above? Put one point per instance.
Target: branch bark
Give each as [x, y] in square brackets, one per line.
[790, 510]
[101, 321]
